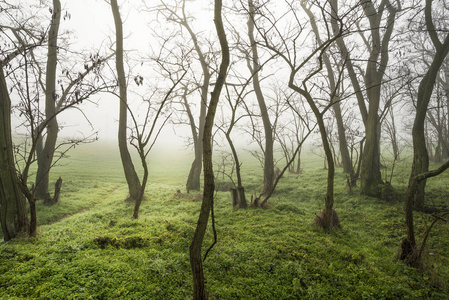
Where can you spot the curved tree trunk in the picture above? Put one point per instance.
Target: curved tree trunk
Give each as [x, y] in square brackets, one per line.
[328, 219]
[46, 150]
[13, 215]
[199, 291]
[420, 155]
[128, 167]
[254, 67]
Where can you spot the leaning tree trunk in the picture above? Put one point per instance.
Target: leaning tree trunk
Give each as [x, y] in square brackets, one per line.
[254, 67]
[47, 149]
[199, 291]
[328, 218]
[13, 215]
[128, 167]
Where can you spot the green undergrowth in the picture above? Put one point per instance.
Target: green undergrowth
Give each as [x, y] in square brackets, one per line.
[89, 247]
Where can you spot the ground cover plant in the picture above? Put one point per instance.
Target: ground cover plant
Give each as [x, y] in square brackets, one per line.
[89, 247]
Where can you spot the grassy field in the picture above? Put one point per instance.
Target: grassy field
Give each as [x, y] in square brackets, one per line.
[88, 247]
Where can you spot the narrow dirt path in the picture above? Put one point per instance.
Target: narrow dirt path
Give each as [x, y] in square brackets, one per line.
[66, 216]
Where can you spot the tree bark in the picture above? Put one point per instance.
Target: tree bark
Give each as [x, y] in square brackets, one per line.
[46, 149]
[13, 215]
[199, 291]
[128, 167]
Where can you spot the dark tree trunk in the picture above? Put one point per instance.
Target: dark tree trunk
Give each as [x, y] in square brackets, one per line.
[241, 197]
[199, 291]
[47, 149]
[234, 197]
[33, 217]
[425, 90]
[409, 251]
[56, 196]
[144, 183]
[371, 177]
[193, 180]
[420, 173]
[13, 215]
[128, 167]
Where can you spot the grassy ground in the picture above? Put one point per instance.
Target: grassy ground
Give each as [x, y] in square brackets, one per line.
[88, 246]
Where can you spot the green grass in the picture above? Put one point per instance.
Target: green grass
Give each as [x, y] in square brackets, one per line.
[88, 247]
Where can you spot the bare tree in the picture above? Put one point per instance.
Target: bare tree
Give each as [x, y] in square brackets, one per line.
[144, 136]
[199, 291]
[132, 179]
[425, 90]
[332, 80]
[176, 12]
[25, 74]
[287, 48]
[377, 62]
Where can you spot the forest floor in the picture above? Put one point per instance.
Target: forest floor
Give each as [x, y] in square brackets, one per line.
[89, 247]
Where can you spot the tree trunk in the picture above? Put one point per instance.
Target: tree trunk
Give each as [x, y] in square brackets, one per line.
[329, 215]
[193, 181]
[254, 67]
[409, 251]
[420, 155]
[241, 197]
[370, 174]
[199, 291]
[56, 196]
[13, 215]
[375, 70]
[47, 149]
[128, 167]
[329, 202]
[144, 182]
[335, 100]
[298, 163]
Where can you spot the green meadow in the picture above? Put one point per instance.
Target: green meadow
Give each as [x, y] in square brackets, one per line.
[89, 247]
